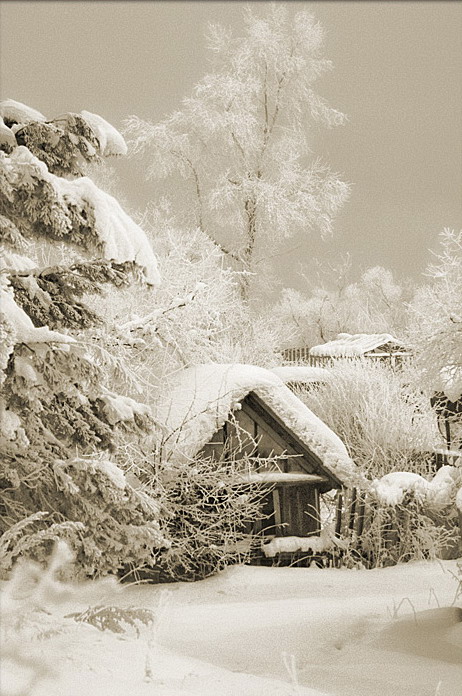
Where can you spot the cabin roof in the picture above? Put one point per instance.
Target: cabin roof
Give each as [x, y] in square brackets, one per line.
[199, 399]
[302, 374]
[351, 345]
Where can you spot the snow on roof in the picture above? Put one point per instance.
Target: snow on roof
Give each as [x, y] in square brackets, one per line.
[11, 110]
[24, 329]
[122, 239]
[301, 373]
[349, 345]
[199, 400]
[111, 142]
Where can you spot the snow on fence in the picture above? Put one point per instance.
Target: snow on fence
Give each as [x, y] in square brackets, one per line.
[406, 520]
[301, 356]
[400, 517]
[382, 347]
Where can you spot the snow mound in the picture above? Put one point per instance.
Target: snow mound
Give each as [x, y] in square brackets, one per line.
[442, 487]
[15, 262]
[24, 329]
[301, 373]
[11, 110]
[354, 345]
[111, 142]
[325, 541]
[199, 399]
[392, 488]
[435, 634]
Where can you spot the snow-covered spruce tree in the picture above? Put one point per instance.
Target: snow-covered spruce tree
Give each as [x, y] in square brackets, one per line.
[63, 238]
[238, 148]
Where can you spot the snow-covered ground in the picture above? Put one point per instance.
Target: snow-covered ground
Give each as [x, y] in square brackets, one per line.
[256, 631]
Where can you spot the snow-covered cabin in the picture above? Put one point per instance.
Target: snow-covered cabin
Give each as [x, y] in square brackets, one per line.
[374, 346]
[246, 412]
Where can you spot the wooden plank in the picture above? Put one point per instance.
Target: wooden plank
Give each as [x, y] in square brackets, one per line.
[360, 517]
[338, 515]
[278, 512]
[351, 523]
[308, 500]
[282, 479]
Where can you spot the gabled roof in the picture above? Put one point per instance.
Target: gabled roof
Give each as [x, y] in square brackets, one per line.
[302, 374]
[351, 345]
[199, 399]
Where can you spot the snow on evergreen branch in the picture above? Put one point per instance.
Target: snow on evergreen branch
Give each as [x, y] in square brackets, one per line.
[77, 211]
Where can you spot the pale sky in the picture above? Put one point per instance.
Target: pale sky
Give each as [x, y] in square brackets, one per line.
[397, 74]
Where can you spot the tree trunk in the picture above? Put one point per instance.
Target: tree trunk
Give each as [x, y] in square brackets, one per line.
[250, 207]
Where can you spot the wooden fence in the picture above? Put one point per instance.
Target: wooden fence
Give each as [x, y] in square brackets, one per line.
[375, 535]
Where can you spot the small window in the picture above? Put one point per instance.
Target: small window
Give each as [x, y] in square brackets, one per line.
[218, 438]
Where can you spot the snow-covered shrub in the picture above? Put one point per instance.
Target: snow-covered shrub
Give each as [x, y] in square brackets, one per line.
[61, 421]
[209, 510]
[384, 533]
[382, 416]
[387, 424]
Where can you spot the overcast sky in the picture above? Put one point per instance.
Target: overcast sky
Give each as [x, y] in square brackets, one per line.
[397, 75]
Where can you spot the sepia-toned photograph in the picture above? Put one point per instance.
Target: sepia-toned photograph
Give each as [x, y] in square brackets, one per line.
[230, 348]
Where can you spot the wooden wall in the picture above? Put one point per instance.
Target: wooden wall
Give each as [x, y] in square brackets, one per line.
[291, 509]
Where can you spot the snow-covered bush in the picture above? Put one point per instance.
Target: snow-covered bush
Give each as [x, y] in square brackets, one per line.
[382, 416]
[210, 511]
[60, 418]
[408, 530]
[389, 428]
[43, 614]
